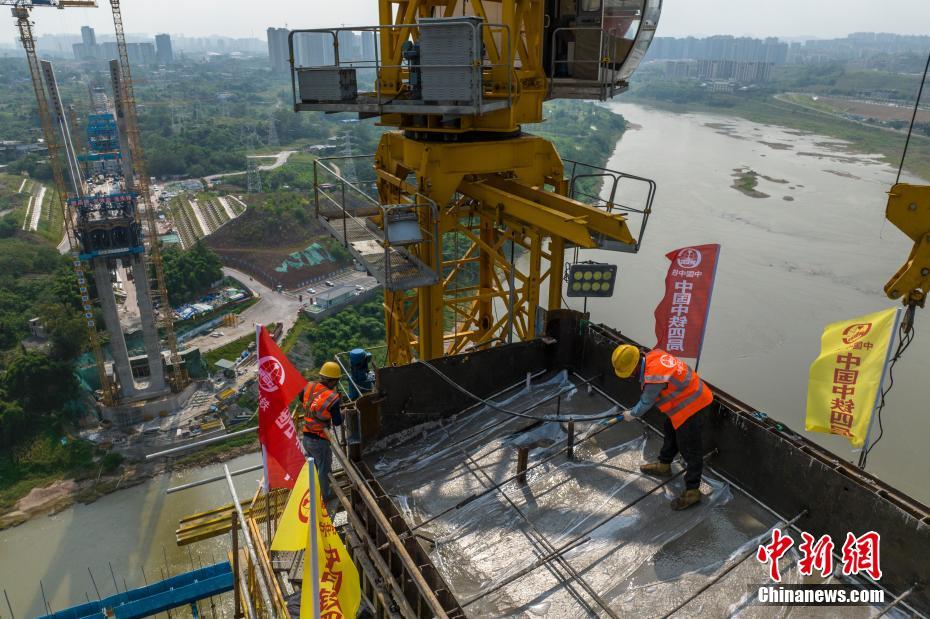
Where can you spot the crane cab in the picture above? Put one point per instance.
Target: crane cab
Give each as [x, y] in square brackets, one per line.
[592, 47]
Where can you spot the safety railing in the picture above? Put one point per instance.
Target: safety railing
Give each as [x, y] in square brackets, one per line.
[382, 237]
[453, 66]
[255, 587]
[613, 191]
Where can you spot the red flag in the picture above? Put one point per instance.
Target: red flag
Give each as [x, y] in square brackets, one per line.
[279, 382]
[681, 316]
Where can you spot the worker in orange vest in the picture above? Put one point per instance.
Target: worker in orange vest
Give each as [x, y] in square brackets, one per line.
[676, 390]
[320, 406]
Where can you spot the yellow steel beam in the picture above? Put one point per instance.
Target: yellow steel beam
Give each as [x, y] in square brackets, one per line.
[554, 222]
[612, 225]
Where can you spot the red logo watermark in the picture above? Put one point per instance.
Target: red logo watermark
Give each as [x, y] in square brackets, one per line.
[859, 555]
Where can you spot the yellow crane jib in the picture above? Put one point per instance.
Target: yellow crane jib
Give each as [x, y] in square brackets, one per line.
[909, 210]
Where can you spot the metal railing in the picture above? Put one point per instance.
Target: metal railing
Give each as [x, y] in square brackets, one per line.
[617, 191]
[359, 222]
[398, 88]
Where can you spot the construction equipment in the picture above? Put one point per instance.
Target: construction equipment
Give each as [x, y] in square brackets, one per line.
[140, 180]
[459, 79]
[21, 10]
[909, 210]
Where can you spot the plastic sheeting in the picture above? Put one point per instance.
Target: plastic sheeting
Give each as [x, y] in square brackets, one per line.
[643, 562]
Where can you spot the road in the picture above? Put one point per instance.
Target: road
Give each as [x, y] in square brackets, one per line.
[279, 160]
[271, 307]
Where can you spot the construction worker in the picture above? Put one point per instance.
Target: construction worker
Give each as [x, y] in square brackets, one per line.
[669, 384]
[320, 403]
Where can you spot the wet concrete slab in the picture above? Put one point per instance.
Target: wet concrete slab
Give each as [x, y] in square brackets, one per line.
[644, 562]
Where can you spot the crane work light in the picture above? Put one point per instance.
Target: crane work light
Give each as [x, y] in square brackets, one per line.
[591, 279]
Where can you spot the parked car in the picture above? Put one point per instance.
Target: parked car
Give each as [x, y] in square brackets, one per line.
[329, 283]
[311, 290]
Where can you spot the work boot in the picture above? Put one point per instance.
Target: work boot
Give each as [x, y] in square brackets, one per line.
[691, 496]
[659, 469]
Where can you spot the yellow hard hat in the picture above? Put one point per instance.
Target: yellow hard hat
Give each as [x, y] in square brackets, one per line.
[331, 369]
[625, 358]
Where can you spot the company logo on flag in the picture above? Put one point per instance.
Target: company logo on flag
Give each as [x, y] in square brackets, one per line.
[846, 378]
[340, 593]
[279, 382]
[681, 316]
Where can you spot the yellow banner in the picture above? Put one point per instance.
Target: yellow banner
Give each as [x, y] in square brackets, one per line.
[340, 593]
[845, 378]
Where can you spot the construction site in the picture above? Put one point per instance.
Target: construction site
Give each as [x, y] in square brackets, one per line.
[480, 471]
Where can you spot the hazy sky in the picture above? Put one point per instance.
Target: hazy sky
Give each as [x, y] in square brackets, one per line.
[243, 18]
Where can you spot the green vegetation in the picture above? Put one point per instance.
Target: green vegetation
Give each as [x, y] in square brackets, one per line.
[746, 181]
[359, 326]
[761, 105]
[190, 273]
[582, 132]
[231, 350]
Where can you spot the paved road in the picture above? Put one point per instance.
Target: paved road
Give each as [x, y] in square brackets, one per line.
[271, 307]
[279, 160]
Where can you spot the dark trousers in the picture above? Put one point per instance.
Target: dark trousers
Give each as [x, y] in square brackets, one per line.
[687, 440]
[318, 449]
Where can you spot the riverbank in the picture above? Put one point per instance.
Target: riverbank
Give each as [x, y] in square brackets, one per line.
[64, 493]
[860, 138]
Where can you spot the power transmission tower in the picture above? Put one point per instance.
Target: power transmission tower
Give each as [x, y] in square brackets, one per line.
[348, 152]
[253, 176]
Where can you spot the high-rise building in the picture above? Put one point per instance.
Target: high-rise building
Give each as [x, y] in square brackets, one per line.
[88, 49]
[278, 53]
[163, 51]
[139, 53]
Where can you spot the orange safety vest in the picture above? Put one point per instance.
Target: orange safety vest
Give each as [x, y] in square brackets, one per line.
[317, 400]
[684, 394]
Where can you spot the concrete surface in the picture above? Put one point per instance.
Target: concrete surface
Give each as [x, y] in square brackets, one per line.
[271, 307]
[642, 563]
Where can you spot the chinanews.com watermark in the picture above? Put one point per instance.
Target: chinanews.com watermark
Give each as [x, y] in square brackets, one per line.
[858, 556]
[818, 595]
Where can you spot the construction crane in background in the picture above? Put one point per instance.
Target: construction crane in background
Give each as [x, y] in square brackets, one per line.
[140, 180]
[21, 12]
[460, 186]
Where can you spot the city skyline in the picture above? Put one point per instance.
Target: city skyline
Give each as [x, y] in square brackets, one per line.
[788, 19]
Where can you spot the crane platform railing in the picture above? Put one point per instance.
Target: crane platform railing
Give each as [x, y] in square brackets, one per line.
[377, 235]
[613, 191]
[454, 77]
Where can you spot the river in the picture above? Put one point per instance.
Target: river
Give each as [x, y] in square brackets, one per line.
[786, 269]
[131, 529]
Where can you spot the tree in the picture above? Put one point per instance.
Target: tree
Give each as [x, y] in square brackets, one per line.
[190, 273]
[14, 423]
[39, 383]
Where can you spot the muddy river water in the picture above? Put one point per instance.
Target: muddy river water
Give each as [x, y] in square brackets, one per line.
[786, 269]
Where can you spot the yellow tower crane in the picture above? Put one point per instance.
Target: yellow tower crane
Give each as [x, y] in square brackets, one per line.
[460, 186]
[21, 12]
[140, 180]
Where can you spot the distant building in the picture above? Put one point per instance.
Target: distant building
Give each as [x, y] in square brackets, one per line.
[369, 42]
[278, 53]
[89, 41]
[163, 51]
[350, 46]
[334, 296]
[139, 53]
